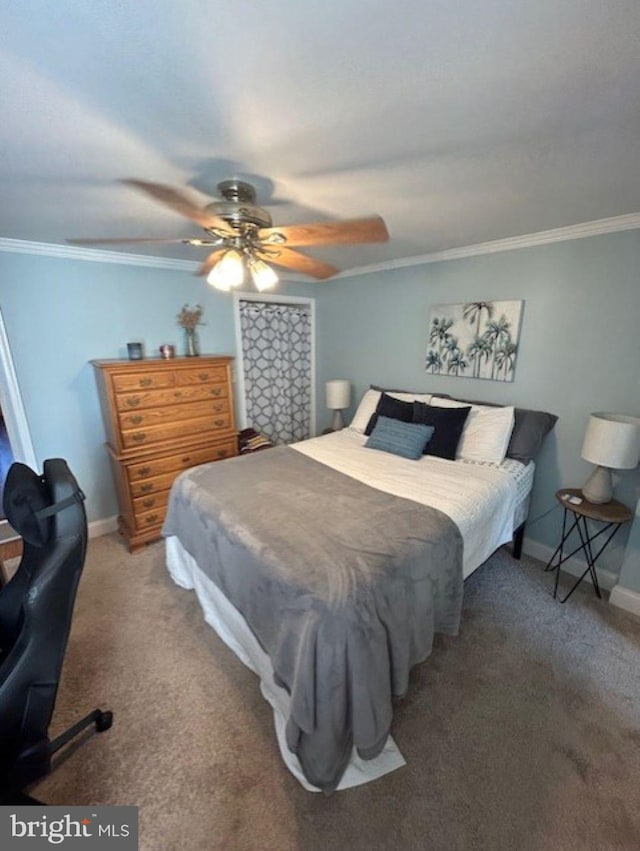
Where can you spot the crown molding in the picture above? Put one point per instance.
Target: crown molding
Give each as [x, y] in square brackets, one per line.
[94, 255]
[630, 221]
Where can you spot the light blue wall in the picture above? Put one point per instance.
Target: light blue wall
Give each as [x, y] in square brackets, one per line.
[630, 572]
[59, 314]
[579, 349]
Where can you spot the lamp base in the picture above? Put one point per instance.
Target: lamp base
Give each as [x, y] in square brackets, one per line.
[338, 422]
[598, 488]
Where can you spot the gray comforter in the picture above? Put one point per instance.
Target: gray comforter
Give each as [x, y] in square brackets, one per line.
[343, 586]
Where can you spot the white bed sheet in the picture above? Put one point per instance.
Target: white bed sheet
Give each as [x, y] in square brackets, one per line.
[480, 499]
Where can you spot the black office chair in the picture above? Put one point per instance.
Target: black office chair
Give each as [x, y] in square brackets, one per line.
[36, 607]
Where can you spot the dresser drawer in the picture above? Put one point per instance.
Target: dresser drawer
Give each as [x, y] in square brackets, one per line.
[172, 413]
[153, 485]
[142, 380]
[134, 401]
[180, 461]
[201, 375]
[150, 519]
[154, 502]
[143, 437]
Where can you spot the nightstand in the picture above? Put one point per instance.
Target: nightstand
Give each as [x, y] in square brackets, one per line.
[609, 516]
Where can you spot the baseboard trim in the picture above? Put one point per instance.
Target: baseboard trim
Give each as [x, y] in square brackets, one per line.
[625, 598]
[573, 566]
[103, 527]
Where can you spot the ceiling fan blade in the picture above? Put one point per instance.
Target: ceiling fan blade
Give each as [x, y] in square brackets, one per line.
[121, 240]
[180, 203]
[299, 262]
[372, 229]
[210, 261]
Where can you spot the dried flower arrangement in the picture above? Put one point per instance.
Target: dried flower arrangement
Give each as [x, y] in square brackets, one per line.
[190, 318]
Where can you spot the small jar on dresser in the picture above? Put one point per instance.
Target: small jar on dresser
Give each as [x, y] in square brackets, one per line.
[162, 416]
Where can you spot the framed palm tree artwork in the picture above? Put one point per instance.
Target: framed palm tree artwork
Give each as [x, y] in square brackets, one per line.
[478, 339]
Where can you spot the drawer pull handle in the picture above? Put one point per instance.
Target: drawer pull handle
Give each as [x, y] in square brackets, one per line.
[133, 401]
[221, 453]
[136, 419]
[144, 471]
[218, 408]
[177, 393]
[186, 460]
[148, 503]
[216, 391]
[218, 423]
[139, 437]
[204, 376]
[148, 486]
[145, 382]
[152, 518]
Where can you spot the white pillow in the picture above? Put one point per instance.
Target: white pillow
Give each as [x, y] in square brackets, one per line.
[486, 432]
[366, 408]
[369, 403]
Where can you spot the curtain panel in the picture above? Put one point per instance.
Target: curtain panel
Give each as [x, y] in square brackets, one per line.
[276, 353]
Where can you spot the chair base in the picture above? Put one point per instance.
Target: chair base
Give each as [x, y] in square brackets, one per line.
[102, 720]
[35, 764]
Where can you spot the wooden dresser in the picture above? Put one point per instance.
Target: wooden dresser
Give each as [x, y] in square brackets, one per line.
[161, 417]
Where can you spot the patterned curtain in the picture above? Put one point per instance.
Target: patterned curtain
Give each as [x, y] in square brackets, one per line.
[276, 352]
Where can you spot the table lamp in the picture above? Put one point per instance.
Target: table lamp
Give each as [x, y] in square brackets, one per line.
[338, 397]
[612, 442]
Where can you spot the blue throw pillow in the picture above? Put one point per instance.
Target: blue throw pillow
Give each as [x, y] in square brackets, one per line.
[405, 439]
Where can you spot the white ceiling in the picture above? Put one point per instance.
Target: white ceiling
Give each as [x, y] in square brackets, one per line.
[458, 122]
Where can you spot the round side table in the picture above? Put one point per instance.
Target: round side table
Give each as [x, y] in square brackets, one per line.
[577, 510]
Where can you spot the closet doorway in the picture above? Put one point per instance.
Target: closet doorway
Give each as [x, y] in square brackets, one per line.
[15, 438]
[275, 338]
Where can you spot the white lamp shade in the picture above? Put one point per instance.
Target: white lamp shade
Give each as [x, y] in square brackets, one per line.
[228, 271]
[612, 440]
[264, 277]
[338, 394]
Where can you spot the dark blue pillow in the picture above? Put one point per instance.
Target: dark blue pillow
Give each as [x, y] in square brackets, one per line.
[395, 409]
[448, 424]
[405, 439]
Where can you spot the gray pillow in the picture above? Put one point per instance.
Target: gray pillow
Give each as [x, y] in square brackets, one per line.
[529, 430]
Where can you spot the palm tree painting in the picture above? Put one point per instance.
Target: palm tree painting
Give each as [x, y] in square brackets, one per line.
[478, 339]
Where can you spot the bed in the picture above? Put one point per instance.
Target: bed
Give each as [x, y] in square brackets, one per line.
[328, 566]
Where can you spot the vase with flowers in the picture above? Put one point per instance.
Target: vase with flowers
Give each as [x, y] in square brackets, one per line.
[189, 318]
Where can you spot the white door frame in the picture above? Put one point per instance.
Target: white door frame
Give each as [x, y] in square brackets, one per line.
[277, 299]
[12, 407]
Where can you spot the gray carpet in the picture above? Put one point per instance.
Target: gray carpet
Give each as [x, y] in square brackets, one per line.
[522, 733]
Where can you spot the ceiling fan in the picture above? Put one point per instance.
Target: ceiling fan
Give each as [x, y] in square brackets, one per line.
[242, 237]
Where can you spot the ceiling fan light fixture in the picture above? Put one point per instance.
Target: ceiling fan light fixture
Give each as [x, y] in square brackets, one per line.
[228, 271]
[237, 232]
[264, 277]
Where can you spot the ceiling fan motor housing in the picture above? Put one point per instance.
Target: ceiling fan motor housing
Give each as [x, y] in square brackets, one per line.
[238, 207]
